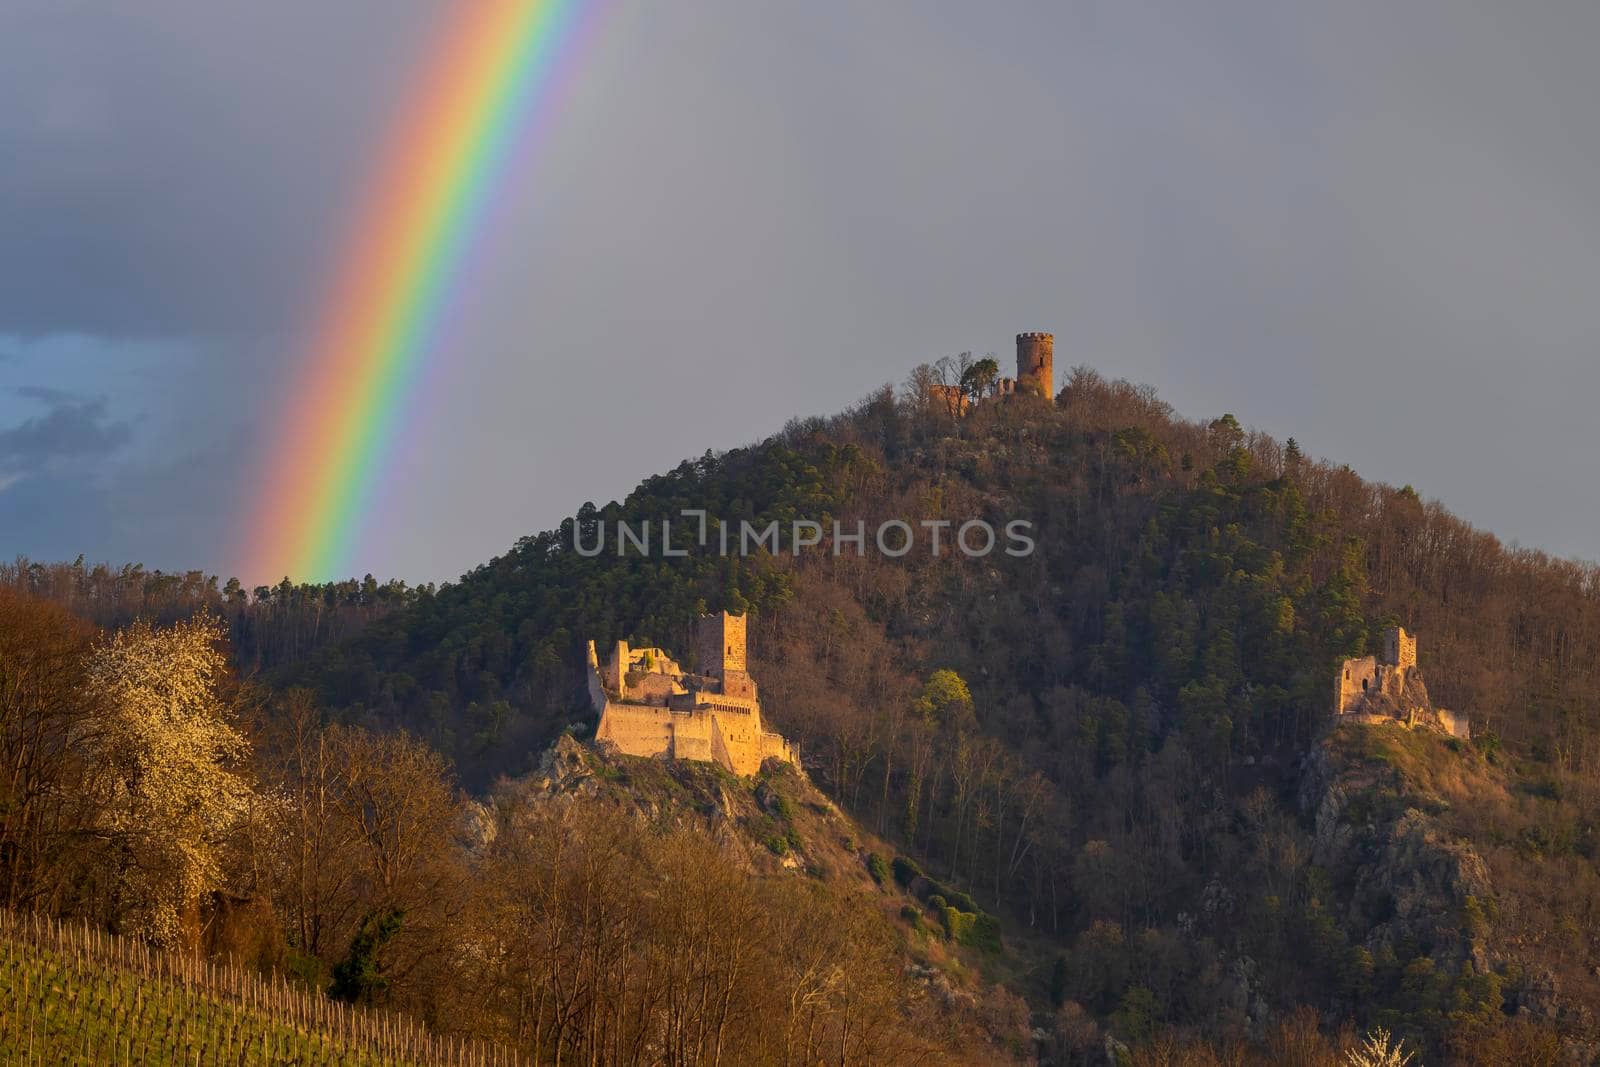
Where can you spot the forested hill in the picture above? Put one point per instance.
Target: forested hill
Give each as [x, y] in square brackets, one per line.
[1154, 672]
[1118, 744]
[1191, 580]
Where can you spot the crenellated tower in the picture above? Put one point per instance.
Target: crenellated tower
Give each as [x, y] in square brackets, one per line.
[1035, 364]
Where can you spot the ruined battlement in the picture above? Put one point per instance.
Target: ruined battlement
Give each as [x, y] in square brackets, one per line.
[1035, 375]
[650, 706]
[1389, 687]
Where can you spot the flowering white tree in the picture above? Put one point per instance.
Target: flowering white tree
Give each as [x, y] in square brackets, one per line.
[1379, 1050]
[168, 748]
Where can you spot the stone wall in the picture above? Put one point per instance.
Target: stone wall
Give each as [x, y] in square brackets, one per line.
[721, 644]
[651, 688]
[1454, 725]
[636, 729]
[1399, 648]
[1389, 688]
[662, 711]
[1356, 678]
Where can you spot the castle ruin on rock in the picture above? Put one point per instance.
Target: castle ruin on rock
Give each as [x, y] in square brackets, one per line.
[650, 706]
[1388, 687]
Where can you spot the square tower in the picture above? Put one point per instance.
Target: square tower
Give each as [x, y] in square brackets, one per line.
[1399, 648]
[722, 643]
[722, 652]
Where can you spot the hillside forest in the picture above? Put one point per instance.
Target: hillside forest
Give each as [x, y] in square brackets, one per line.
[1084, 802]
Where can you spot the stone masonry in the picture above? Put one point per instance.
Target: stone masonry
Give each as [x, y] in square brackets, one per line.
[1390, 687]
[650, 706]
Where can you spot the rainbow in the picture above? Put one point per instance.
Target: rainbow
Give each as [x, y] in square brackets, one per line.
[448, 150]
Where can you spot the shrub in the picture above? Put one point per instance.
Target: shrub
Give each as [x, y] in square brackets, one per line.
[359, 975]
[957, 924]
[984, 933]
[905, 872]
[877, 868]
[1137, 1016]
[978, 930]
[778, 845]
[958, 898]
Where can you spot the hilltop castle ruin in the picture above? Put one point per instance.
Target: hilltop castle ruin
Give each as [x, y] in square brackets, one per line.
[651, 706]
[1389, 687]
[1035, 374]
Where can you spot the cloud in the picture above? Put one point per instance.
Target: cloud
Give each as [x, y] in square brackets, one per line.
[45, 394]
[173, 171]
[72, 429]
[1372, 228]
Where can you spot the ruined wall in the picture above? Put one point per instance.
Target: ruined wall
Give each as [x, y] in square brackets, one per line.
[1356, 677]
[616, 667]
[1454, 725]
[653, 713]
[776, 746]
[651, 688]
[597, 694]
[1388, 688]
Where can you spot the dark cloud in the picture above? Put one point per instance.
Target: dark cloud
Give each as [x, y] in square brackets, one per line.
[1373, 227]
[172, 170]
[47, 395]
[71, 429]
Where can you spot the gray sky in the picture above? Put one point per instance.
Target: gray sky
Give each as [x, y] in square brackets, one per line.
[1370, 226]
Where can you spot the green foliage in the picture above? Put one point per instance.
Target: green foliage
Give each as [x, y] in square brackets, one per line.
[979, 376]
[1486, 741]
[1166, 651]
[944, 698]
[905, 872]
[360, 975]
[1137, 1015]
[984, 933]
[1474, 918]
[878, 868]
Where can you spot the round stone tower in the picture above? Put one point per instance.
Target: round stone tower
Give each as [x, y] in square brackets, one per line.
[1035, 359]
